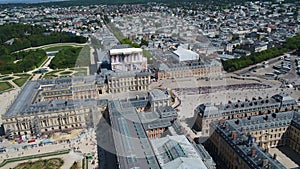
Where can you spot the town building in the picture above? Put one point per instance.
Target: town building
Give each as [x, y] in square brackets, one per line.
[128, 81]
[46, 106]
[159, 98]
[199, 69]
[206, 113]
[53, 105]
[249, 139]
[140, 139]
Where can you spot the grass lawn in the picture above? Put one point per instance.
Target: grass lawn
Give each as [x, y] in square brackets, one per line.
[55, 71]
[80, 72]
[65, 76]
[53, 163]
[66, 73]
[7, 78]
[79, 69]
[5, 86]
[57, 48]
[50, 76]
[22, 75]
[21, 81]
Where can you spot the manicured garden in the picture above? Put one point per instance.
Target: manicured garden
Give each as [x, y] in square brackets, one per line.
[11, 160]
[5, 86]
[22, 80]
[53, 163]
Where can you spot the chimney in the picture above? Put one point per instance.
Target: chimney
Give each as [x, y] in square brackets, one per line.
[267, 150]
[267, 118]
[222, 121]
[265, 162]
[234, 135]
[269, 166]
[227, 126]
[253, 152]
[274, 156]
[242, 142]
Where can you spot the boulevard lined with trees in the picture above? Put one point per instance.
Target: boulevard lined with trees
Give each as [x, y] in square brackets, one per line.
[245, 61]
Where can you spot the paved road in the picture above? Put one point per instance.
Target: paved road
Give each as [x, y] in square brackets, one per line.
[271, 61]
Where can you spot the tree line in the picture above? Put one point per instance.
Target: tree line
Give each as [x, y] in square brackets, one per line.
[15, 37]
[22, 61]
[25, 36]
[66, 58]
[245, 61]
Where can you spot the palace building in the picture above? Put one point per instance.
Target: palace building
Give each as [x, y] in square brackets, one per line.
[127, 59]
[207, 113]
[249, 139]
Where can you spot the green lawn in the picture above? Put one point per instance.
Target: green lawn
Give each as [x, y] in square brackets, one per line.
[57, 48]
[21, 81]
[80, 72]
[66, 73]
[7, 78]
[50, 76]
[5, 86]
[22, 75]
[55, 71]
[53, 163]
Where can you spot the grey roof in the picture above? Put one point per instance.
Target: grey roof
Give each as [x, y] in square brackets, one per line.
[207, 110]
[26, 102]
[167, 112]
[188, 65]
[112, 74]
[206, 158]
[123, 46]
[177, 152]
[131, 142]
[264, 121]
[296, 120]
[157, 94]
[244, 144]
[23, 100]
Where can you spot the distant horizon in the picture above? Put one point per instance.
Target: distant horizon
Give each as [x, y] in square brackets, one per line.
[27, 1]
